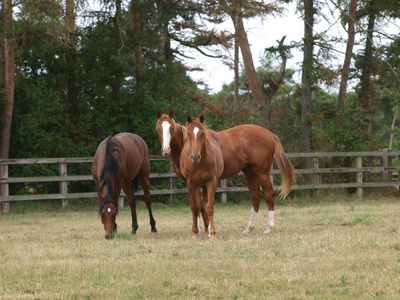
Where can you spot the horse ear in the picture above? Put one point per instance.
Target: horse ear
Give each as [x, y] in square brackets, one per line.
[171, 113]
[158, 113]
[189, 119]
[201, 118]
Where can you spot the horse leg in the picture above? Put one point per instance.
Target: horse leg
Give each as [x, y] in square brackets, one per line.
[211, 189]
[203, 209]
[255, 194]
[145, 183]
[195, 207]
[269, 195]
[128, 189]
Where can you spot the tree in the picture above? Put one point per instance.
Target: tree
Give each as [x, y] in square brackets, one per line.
[346, 65]
[307, 80]
[9, 78]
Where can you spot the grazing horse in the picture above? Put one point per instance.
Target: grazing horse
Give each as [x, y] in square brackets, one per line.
[201, 164]
[247, 148]
[120, 161]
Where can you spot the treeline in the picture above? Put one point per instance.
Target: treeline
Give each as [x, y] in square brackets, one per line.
[72, 74]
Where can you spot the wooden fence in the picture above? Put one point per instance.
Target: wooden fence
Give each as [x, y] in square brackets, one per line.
[379, 164]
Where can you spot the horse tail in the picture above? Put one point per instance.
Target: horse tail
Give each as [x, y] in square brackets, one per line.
[285, 166]
[111, 167]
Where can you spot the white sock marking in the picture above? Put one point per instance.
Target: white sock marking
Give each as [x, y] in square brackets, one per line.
[271, 218]
[252, 222]
[270, 224]
[166, 134]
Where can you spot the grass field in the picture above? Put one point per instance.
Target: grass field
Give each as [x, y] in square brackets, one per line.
[326, 249]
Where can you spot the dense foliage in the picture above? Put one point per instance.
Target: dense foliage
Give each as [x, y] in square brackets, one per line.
[124, 61]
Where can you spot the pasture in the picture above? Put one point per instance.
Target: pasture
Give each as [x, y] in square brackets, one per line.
[324, 249]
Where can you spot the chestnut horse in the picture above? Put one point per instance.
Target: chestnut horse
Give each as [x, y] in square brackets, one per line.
[247, 148]
[201, 164]
[119, 162]
[172, 137]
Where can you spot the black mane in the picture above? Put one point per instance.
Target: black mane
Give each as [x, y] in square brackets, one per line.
[111, 167]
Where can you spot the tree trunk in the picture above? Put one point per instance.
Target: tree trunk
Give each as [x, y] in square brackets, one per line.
[9, 80]
[72, 88]
[366, 72]
[9, 84]
[306, 80]
[366, 95]
[346, 64]
[392, 128]
[251, 75]
[236, 70]
[138, 46]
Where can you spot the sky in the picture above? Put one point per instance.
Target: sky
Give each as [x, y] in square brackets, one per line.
[261, 34]
[265, 33]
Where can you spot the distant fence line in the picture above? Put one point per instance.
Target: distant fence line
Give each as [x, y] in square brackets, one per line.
[382, 158]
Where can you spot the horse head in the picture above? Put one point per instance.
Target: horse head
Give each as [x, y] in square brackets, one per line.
[166, 128]
[108, 212]
[196, 133]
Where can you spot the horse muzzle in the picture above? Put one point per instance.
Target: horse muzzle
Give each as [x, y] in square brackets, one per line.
[196, 158]
[165, 151]
[109, 236]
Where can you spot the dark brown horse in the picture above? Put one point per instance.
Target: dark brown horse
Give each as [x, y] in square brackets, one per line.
[247, 148]
[120, 161]
[201, 164]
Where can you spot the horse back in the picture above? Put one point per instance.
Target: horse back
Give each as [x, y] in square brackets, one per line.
[135, 154]
[245, 144]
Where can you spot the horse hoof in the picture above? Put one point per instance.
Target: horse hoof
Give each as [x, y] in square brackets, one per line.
[191, 233]
[248, 230]
[213, 237]
[154, 230]
[206, 231]
[133, 230]
[195, 237]
[268, 230]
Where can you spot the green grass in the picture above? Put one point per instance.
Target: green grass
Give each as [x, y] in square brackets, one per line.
[324, 249]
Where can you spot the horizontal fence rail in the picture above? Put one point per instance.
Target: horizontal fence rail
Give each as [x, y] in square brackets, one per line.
[384, 168]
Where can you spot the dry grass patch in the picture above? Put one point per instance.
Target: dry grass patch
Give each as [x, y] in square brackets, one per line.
[339, 250]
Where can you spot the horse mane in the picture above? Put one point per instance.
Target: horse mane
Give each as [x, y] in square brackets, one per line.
[111, 167]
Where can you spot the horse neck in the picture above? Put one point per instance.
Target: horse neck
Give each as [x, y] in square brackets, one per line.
[111, 174]
[177, 144]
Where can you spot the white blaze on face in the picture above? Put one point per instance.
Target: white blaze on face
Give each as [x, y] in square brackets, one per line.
[195, 131]
[166, 136]
[109, 209]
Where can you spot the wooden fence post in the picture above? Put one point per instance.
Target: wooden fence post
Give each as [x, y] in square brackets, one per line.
[359, 177]
[172, 187]
[223, 194]
[63, 184]
[315, 176]
[4, 190]
[386, 162]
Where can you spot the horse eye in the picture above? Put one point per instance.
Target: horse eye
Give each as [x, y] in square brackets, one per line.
[202, 134]
[158, 130]
[172, 128]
